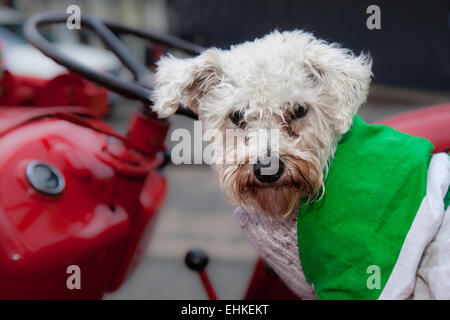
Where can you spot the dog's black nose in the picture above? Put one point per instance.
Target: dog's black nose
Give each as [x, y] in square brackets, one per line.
[268, 170]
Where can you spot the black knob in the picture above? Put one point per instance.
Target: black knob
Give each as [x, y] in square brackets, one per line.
[196, 259]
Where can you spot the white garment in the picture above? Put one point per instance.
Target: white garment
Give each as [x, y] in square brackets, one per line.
[425, 229]
[433, 275]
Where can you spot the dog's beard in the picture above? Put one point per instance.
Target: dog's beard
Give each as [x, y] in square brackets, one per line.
[302, 179]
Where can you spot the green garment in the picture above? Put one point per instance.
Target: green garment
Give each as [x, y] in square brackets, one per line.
[373, 190]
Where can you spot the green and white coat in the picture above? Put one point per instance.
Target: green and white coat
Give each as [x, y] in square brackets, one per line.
[384, 202]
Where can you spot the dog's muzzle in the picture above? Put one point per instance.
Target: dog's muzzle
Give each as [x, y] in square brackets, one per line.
[268, 170]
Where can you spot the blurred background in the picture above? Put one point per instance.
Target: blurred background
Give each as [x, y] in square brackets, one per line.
[411, 54]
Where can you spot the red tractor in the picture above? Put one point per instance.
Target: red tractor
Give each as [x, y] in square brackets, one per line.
[76, 194]
[73, 192]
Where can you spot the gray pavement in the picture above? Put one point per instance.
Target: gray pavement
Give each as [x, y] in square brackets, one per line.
[196, 214]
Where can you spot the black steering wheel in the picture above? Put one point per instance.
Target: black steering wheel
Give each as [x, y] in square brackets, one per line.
[142, 86]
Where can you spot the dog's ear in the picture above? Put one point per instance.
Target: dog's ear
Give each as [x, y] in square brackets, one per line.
[343, 77]
[184, 81]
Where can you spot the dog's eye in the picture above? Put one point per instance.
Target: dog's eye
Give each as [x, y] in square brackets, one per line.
[298, 112]
[237, 119]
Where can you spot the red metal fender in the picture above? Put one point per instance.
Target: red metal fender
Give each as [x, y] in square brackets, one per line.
[112, 192]
[432, 123]
[66, 89]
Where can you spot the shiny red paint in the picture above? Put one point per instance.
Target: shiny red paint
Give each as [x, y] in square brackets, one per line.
[63, 90]
[432, 123]
[97, 223]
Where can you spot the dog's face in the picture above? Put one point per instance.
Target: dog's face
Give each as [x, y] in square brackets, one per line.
[304, 91]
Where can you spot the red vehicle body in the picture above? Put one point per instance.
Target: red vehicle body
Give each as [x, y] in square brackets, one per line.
[62, 90]
[111, 193]
[74, 192]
